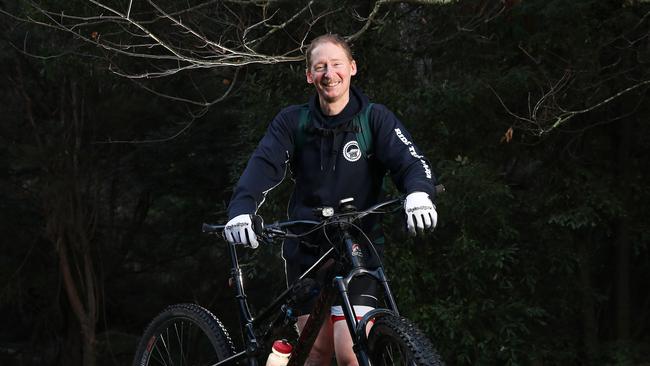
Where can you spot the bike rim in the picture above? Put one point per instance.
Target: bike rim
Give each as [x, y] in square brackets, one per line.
[180, 343]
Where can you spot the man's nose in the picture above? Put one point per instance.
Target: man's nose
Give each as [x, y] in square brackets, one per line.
[328, 72]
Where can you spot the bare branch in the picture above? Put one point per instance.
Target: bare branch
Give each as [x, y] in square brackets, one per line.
[187, 37]
[193, 116]
[570, 114]
[369, 20]
[204, 104]
[201, 34]
[186, 127]
[153, 39]
[553, 115]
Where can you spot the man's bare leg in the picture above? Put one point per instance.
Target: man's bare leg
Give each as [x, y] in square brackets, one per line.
[345, 355]
[343, 345]
[323, 349]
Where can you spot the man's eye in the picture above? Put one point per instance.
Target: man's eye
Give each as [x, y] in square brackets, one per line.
[319, 68]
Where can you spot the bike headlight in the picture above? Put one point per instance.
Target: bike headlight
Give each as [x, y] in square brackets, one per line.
[327, 212]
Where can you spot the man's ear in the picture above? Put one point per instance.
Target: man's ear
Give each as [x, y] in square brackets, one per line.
[309, 76]
[353, 68]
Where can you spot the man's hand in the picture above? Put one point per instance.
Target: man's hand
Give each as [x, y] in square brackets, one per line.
[420, 212]
[239, 230]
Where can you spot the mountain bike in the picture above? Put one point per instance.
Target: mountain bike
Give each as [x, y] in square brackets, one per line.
[188, 334]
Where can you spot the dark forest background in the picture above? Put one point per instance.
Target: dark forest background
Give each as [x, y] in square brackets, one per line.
[535, 116]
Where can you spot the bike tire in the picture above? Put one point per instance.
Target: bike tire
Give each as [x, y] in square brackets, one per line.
[395, 341]
[183, 334]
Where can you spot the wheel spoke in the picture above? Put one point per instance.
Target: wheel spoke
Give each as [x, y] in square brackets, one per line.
[389, 355]
[168, 348]
[161, 357]
[179, 336]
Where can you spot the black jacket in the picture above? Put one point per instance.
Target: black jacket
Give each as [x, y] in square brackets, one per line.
[324, 167]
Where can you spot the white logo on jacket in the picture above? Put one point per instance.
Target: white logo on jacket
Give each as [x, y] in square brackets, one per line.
[425, 166]
[351, 151]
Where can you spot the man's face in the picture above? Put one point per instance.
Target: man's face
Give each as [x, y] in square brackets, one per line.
[330, 72]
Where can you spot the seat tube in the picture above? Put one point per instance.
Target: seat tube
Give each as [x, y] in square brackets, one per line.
[238, 284]
[245, 317]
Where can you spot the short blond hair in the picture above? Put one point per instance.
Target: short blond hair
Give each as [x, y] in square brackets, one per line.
[325, 38]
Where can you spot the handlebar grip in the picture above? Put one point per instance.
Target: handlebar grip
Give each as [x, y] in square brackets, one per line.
[208, 228]
[258, 224]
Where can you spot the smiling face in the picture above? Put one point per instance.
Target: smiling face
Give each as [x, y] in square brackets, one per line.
[331, 69]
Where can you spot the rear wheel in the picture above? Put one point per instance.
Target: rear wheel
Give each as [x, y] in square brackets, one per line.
[395, 341]
[183, 334]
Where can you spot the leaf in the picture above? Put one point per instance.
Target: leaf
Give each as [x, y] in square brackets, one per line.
[507, 137]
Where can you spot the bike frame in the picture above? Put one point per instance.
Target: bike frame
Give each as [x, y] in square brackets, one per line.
[257, 329]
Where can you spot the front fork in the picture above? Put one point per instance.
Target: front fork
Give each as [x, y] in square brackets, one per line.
[356, 328]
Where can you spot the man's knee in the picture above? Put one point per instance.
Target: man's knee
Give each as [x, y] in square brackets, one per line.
[320, 354]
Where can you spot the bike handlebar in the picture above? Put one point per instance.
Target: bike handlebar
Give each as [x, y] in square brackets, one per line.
[278, 229]
[275, 229]
[210, 228]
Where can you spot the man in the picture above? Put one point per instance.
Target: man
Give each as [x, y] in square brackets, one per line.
[328, 165]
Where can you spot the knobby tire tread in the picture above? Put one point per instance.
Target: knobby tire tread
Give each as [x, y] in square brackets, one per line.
[399, 330]
[192, 313]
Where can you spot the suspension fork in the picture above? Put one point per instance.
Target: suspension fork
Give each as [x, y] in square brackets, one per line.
[342, 286]
[356, 328]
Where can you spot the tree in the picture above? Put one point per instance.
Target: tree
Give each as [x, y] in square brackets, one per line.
[85, 201]
[153, 40]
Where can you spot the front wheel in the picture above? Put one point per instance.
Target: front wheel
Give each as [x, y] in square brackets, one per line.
[183, 334]
[395, 341]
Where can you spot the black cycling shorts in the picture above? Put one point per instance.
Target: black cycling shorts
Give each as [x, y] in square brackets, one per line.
[362, 290]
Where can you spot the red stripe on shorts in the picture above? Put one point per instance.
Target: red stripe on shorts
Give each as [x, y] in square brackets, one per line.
[336, 318]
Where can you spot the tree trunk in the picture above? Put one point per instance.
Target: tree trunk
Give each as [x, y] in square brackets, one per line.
[71, 224]
[69, 204]
[588, 305]
[85, 313]
[622, 240]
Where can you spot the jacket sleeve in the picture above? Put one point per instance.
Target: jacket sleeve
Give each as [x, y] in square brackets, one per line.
[266, 168]
[395, 149]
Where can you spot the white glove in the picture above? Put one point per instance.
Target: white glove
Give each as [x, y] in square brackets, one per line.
[239, 230]
[420, 212]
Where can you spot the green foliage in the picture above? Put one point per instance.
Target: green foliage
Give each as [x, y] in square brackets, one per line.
[474, 305]
[500, 281]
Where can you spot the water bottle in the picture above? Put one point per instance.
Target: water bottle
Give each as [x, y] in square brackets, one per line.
[279, 353]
